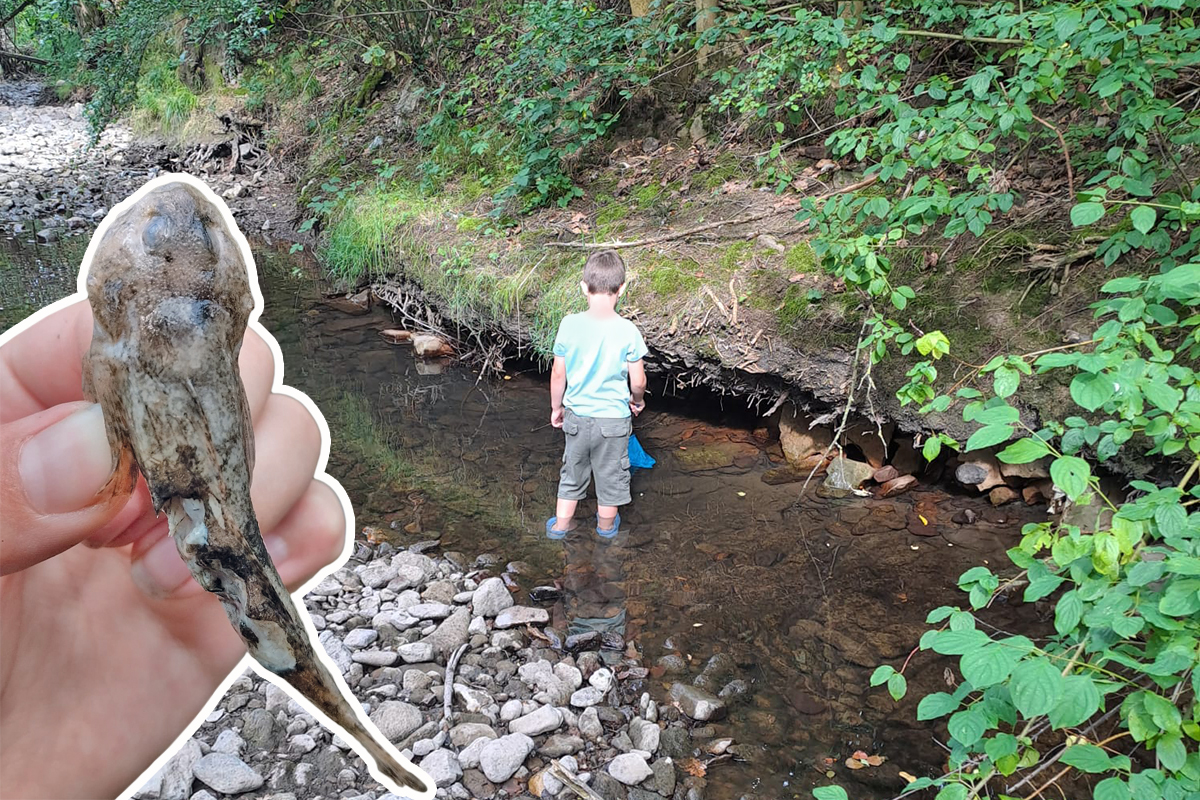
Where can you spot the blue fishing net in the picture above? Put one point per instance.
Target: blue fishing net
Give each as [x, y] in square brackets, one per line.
[638, 458]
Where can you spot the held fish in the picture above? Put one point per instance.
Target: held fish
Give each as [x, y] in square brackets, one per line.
[171, 297]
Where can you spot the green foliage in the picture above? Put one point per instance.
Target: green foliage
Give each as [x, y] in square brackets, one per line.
[162, 97]
[551, 80]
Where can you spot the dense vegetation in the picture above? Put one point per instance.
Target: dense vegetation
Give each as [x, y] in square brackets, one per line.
[936, 103]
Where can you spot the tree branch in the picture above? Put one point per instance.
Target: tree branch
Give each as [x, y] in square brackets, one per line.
[708, 226]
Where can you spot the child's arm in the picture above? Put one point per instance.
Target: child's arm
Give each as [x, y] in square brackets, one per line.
[637, 386]
[558, 387]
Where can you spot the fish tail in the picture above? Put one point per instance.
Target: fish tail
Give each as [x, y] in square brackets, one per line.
[318, 686]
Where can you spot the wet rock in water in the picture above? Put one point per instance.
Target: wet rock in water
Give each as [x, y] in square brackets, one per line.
[501, 758]
[356, 304]
[798, 440]
[982, 471]
[845, 474]
[630, 769]
[674, 742]
[697, 703]
[672, 664]
[583, 641]
[429, 346]
[1002, 495]
[805, 703]
[545, 594]
[226, 774]
[716, 673]
[885, 474]
[521, 615]
[897, 486]
[396, 336]
[442, 766]
[782, 475]
[966, 516]
[491, 598]
[922, 518]
[872, 439]
[734, 691]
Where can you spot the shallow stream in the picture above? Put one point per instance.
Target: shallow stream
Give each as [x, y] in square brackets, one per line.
[799, 598]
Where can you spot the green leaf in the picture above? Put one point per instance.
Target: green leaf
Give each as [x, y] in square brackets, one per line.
[1086, 213]
[935, 705]
[1164, 713]
[1068, 612]
[1111, 789]
[1129, 283]
[897, 686]
[881, 674]
[1143, 218]
[1086, 758]
[1091, 390]
[989, 435]
[1081, 699]
[988, 665]
[1162, 395]
[1071, 474]
[955, 791]
[1171, 752]
[830, 793]
[968, 726]
[1023, 451]
[956, 643]
[1036, 686]
[1005, 381]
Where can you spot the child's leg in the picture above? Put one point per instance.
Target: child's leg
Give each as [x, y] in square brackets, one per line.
[564, 510]
[610, 461]
[575, 476]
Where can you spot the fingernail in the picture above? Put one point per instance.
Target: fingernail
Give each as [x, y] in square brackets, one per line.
[64, 467]
[277, 548]
[160, 572]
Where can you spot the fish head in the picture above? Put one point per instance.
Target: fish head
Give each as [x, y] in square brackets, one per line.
[169, 274]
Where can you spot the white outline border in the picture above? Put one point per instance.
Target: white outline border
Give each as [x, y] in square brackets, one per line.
[277, 387]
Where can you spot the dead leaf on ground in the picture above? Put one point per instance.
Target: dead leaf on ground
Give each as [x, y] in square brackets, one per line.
[860, 759]
[693, 766]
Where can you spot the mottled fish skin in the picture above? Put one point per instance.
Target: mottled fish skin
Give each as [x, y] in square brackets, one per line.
[171, 297]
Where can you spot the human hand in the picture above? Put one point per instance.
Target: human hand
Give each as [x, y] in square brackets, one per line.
[557, 415]
[637, 408]
[107, 652]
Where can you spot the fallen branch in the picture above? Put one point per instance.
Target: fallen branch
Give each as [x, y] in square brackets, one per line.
[448, 695]
[708, 226]
[717, 300]
[959, 37]
[568, 779]
[19, 57]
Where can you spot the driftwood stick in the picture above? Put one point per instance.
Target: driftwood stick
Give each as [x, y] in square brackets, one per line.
[568, 779]
[708, 226]
[716, 300]
[448, 695]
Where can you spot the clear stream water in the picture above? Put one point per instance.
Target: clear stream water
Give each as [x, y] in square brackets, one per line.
[803, 596]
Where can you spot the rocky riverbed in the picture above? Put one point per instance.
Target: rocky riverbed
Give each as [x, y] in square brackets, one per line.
[55, 182]
[523, 697]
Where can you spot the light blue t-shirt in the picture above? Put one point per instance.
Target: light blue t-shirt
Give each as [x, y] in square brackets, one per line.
[597, 354]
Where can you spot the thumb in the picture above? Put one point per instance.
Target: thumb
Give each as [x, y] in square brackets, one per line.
[57, 483]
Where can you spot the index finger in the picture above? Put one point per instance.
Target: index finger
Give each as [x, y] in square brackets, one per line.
[42, 366]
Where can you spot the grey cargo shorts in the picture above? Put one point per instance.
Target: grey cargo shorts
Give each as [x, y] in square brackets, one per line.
[596, 446]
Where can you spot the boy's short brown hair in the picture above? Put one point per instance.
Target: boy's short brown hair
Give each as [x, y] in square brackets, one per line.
[604, 272]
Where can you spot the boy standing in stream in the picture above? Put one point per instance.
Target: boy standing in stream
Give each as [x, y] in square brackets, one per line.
[597, 382]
